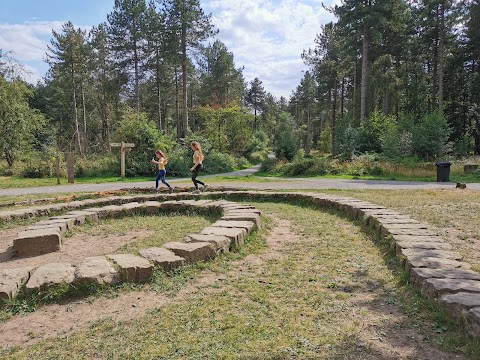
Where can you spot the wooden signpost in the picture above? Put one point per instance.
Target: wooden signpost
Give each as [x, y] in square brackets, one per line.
[123, 146]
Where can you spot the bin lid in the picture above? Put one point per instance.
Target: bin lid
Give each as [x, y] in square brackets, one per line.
[443, 163]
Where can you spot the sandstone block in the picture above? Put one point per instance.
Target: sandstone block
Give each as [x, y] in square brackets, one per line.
[112, 211]
[418, 275]
[236, 235]
[164, 258]
[423, 253]
[96, 269]
[151, 207]
[247, 225]
[77, 219]
[255, 218]
[36, 242]
[434, 288]
[457, 303]
[50, 275]
[11, 280]
[436, 263]
[220, 243]
[89, 216]
[472, 321]
[131, 208]
[431, 245]
[133, 268]
[192, 252]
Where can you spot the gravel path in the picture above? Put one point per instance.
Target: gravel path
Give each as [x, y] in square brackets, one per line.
[273, 184]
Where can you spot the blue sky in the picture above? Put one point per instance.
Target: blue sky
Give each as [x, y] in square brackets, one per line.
[266, 37]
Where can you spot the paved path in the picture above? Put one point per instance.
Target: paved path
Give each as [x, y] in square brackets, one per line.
[269, 183]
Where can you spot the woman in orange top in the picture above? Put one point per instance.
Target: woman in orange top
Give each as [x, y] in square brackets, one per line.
[162, 173]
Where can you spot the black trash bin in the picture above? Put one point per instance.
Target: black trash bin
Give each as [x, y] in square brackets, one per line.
[443, 171]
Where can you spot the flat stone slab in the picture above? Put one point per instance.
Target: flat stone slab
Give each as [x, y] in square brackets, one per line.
[234, 211]
[436, 263]
[69, 223]
[192, 252]
[151, 207]
[11, 280]
[418, 238]
[457, 303]
[163, 258]
[221, 243]
[133, 268]
[112, 211]
[96, 269]
[427, 245]
[89, 215]
[434, 288]
[418, 275]
[36, 242]
[50, 275]
[255, 218]
[423, 253]
[401, 230]
[247, 225]
[131, 208]
[77, 219]
[472, 321]
[236, 235]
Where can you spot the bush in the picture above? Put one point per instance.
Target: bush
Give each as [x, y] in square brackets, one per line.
[216, 162]
[268, 164]
[144, 134]
[97, 166]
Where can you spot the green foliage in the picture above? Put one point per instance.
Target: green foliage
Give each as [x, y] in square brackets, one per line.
[18, 121]
[97, 166]
[430, 136]
[143, 133]
[286, 143]
[372, 131]
[325, 140]
[227, 129]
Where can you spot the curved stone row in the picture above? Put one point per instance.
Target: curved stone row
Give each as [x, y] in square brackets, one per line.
[237, 221]
[439, 272]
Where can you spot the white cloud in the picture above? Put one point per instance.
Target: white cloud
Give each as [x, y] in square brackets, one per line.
[29, 40]
[268, 37]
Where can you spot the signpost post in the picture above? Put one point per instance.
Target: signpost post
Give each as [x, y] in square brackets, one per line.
[123, 147]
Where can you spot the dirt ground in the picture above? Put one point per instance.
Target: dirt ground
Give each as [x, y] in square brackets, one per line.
[64, 319]
[74, 249]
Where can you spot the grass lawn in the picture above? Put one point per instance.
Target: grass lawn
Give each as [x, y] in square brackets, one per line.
[328, 291]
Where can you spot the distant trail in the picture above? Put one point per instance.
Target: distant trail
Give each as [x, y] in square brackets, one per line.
[272, 183]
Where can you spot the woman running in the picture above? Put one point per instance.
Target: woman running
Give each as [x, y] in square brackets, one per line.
[197, 166]
[162, 161]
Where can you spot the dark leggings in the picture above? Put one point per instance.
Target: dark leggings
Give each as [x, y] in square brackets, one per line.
[196, 170]
[161, 176]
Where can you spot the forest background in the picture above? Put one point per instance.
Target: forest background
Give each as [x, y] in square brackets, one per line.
[391, 85]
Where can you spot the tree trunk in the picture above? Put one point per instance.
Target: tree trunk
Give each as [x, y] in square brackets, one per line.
[177, 108]
[309, 130]
[363, 85]
[441, 55]
[334, 114]
[84, 108]
[75, 112]
[159, 93]
[137, 81]
[184, 80]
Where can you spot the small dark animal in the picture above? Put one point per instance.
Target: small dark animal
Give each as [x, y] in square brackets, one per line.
[461, 186]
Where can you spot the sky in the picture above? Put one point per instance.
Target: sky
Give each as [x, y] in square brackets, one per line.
[266, 37]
